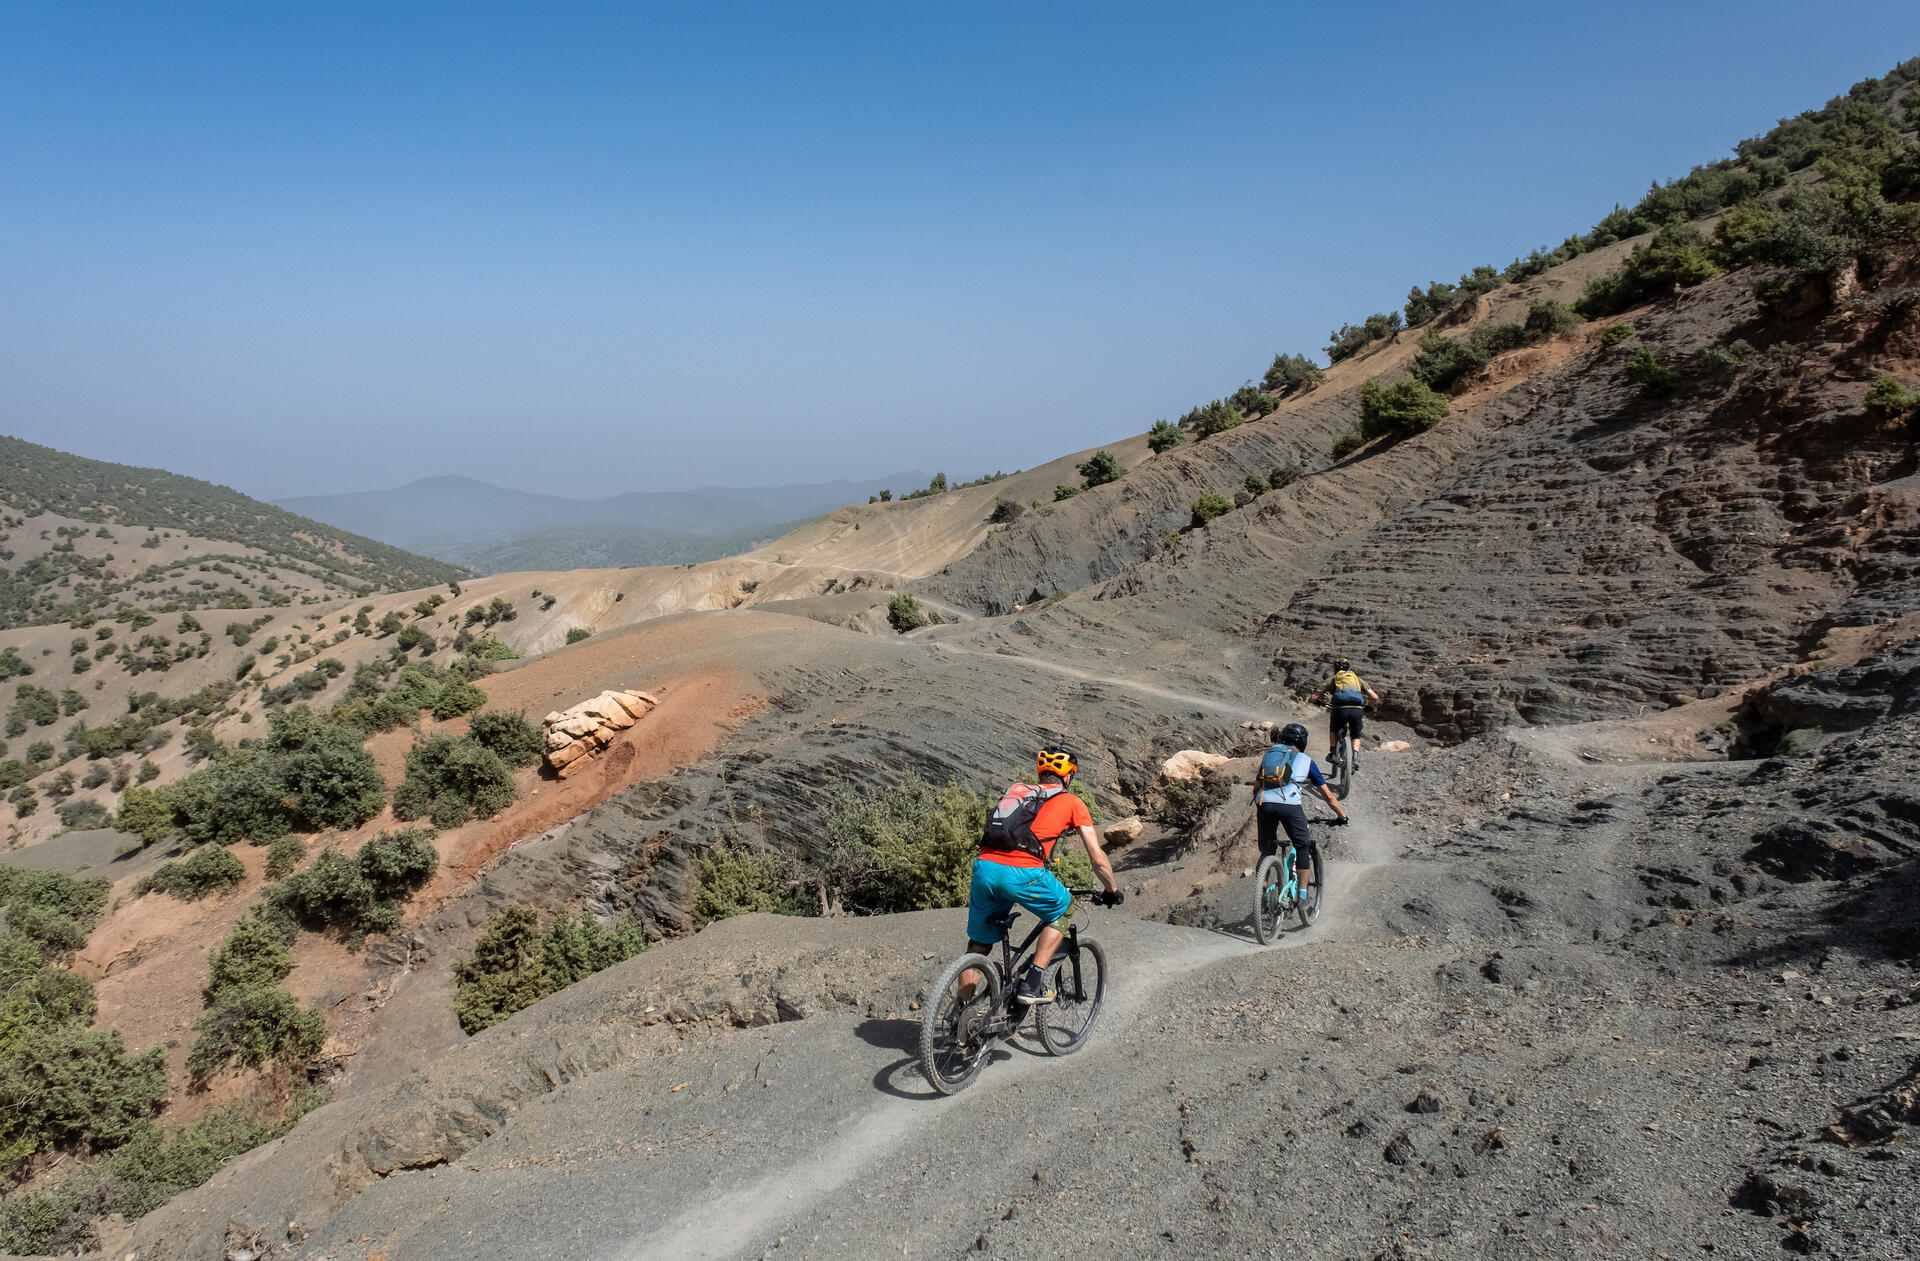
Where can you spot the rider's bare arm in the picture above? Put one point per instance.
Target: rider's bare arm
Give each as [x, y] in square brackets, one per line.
[1373, 696]
[1098, 856]
[1332, 800]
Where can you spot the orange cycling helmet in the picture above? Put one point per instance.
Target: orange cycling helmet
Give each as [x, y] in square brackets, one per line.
[1057, 759]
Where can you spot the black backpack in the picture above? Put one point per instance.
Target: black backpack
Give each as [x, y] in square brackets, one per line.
[1010, 825]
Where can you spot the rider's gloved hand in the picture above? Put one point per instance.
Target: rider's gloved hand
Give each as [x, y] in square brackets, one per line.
[1110, 899]
[1341, 822]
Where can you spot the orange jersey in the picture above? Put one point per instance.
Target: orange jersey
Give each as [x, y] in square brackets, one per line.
[1061, 814]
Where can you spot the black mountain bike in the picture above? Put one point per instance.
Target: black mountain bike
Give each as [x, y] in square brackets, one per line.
[1342, 763]
[974, 1008]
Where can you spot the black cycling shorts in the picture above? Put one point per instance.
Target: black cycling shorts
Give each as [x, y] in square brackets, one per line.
[1273, 817]
[1344, 718]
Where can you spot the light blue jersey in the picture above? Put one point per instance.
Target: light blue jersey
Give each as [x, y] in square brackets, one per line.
[1297, 767]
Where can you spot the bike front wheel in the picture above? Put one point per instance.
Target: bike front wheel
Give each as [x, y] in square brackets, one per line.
[955, 1028]
[1079, 981]
[1269, 886]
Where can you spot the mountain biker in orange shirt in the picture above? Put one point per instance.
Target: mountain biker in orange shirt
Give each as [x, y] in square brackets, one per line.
[1022, 873]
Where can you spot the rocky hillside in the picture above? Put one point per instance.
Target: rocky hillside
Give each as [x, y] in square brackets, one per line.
[1615, 956]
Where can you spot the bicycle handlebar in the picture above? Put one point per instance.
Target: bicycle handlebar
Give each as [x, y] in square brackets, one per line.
[1100, 895]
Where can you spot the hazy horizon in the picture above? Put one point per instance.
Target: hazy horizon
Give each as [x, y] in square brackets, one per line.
[596, 250]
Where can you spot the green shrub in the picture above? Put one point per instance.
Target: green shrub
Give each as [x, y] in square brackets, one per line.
[1249, 401]
[34, 705]
[1349, 339]
[905, 848]
[1615, 335]
[1006, 511]
[1653, 377]
[731, 878]
[574, 947]
[1064, 491]
[53, 909]
[511, 737]
[12, 667]
[1890, 397]
[1282, 475]
[330, 781]
[210, 869]
[83, 814]
[1215, 417]
[253, 1024]
[330, 893]
[1100, 468]
[64, 1085]
[1165, 436]
[253, 956]
[904, 613]
[146, 814]
[24, 801]
[514, 965]
[284, 856]
[1186, 803]
[1677, 257]
[577, 633]
[1551, 319]
[1207, 507]
[1405, 407]
[1290, 373]
[394, 864]
[1257, 485]
[457, 696]
[505, 973]
[452, 779]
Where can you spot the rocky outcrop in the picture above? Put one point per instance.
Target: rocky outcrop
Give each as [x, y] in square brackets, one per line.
[574, 735]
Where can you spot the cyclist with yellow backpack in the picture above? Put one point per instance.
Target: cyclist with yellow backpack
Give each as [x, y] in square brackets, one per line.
[1347, 697]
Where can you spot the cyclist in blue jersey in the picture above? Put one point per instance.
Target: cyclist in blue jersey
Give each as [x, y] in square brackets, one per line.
[1277, 798]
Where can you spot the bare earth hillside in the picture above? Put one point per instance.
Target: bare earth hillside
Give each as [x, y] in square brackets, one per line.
[1618, 956]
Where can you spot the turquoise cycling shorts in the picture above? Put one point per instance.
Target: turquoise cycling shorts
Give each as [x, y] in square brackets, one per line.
[997, 888]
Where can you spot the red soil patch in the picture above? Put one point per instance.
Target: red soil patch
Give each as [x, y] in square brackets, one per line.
[149, 955]
[696, 709]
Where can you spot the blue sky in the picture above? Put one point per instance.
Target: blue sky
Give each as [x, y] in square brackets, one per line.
[585, 249]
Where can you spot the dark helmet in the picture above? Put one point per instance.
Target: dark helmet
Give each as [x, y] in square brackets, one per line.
[1341, 663]
[1294, 734]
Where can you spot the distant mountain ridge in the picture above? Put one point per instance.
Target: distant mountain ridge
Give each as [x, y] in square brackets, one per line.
[187, 524]
[494, 528]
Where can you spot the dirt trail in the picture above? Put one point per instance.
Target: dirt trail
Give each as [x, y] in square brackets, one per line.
[798, 1178]
[1244, 713]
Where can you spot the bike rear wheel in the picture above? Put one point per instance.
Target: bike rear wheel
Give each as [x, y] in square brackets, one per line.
[1269, 883]
[1079, 981]
[953, 1030]
[1343, 766]
[1307, 905]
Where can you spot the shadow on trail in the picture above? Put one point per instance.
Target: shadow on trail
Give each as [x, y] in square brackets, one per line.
[903, 1079]
[890, 1035]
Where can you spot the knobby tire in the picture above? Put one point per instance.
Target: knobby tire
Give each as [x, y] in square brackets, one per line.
[952, 1062]
[1065, 1024]
[1266, 900]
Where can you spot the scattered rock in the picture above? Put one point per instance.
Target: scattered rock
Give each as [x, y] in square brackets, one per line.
[1425, 1101]
[1123, 831]
[1392, 746]
[575, 734]
[1400, 1149]
[1188, 763]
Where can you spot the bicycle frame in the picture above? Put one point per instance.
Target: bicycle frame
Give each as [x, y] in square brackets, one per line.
[1013, 959]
